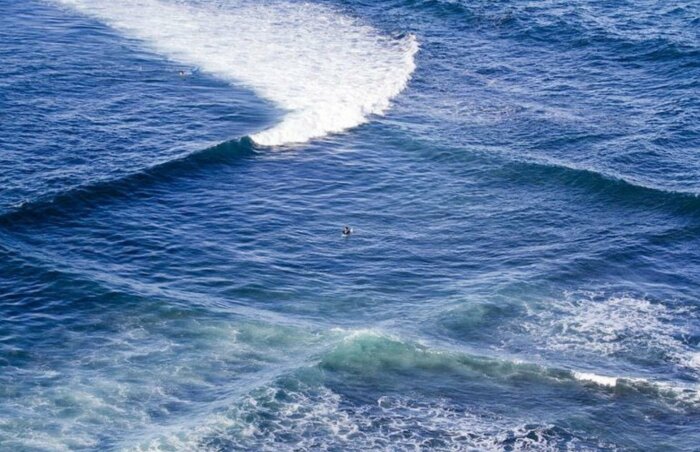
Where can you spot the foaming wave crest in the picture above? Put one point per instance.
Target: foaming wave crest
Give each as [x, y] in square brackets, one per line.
[673, 394]
[365, 353]
[326, 70]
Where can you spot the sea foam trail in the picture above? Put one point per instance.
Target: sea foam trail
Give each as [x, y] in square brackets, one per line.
[326, 70]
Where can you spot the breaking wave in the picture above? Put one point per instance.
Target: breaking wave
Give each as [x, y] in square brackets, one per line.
[327, 71]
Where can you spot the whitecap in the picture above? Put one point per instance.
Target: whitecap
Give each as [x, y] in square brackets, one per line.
[326, 70]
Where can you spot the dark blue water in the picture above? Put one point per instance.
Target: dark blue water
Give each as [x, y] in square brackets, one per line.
[525, 265]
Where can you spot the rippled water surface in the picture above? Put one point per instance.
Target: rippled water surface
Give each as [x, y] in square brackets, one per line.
[522, 179]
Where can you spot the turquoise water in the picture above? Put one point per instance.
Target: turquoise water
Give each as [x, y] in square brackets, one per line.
[522, 179]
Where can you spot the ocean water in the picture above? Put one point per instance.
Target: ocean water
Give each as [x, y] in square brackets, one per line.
[522, 178]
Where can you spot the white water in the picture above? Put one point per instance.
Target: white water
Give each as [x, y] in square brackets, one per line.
[326, 70]
[619, 326]
[601, 380]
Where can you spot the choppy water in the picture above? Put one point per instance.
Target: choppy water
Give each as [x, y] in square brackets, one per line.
[523, 180]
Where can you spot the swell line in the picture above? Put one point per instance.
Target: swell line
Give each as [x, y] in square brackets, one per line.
[526, 168]
[572, 25]
[613, 187]
[92, 194]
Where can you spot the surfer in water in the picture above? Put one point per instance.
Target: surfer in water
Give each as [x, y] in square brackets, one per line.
[347, 231]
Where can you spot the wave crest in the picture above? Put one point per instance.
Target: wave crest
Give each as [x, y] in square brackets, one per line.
[327, 71]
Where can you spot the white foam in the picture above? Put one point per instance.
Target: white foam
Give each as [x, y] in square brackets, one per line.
[595, 378]
[620, 326]
[306, 418]
[694, 361]
[325, 69]
[672, 393]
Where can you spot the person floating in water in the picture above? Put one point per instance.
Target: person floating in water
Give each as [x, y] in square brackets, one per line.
[182, 73]
[347, 231]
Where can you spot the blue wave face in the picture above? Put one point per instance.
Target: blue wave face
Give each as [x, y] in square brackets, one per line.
[523, 192]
